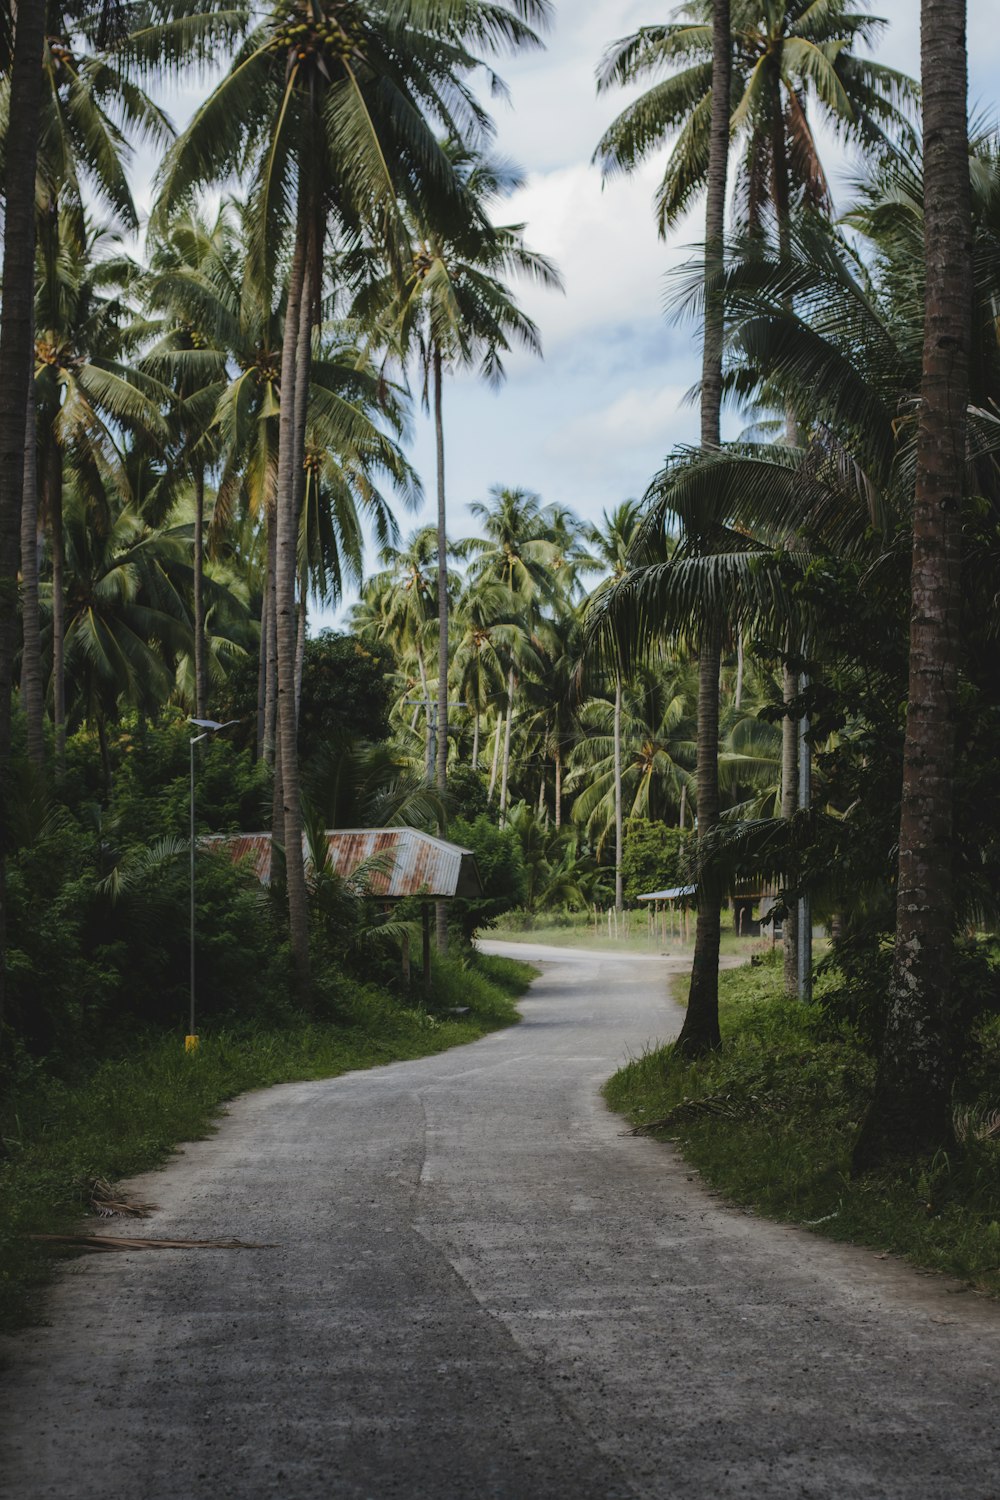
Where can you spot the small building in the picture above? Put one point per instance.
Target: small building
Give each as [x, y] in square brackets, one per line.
[401, 862]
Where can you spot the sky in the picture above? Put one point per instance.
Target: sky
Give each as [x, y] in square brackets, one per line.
[588, 425]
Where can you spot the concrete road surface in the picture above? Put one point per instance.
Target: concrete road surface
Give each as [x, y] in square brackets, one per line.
[482, 1287]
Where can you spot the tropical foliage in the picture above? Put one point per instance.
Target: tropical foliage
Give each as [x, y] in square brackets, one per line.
[725, 683]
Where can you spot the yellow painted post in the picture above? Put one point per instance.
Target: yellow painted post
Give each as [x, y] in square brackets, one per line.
[190, 1044]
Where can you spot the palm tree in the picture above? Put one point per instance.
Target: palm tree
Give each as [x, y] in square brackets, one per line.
[194, 363]
[456, 310]
[553, 691]
[611, 543]
[127, 619]
[791, 59]
[398, 607]
[911, 1109]
[517, 549]
[23, 98]
[708, 90]
[87, 112]
[85, 395]
[487, 619]
[638, 748]
[332, 114]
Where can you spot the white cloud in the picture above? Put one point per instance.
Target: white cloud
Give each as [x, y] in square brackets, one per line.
[605, 243]
[638, 417]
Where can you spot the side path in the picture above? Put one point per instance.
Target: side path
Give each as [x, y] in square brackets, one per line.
[483, 1288]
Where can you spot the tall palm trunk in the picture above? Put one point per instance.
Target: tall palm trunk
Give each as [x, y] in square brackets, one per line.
[428, 710]
[200, 659]
[505, 771]
[789, 806]
[441, 909]
[475, 740]
[32, 692]
[911, 1108]
[294, 365]
[16, 350]
[300, 640]
[619, 825]
[269, 641]
[558, 787]
[262, 676]
[740, 668]
[700, 1032]
[442, 582]
[495, 766]
[54, 506]
[789, 680]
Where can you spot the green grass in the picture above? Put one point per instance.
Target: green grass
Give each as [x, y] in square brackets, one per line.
[771, 1121]
[129, 1114]
[579, 930]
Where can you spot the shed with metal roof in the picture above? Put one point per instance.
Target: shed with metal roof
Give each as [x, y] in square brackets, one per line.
[401, 862]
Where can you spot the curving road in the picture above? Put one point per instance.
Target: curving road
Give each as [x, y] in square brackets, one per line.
[483, 1288]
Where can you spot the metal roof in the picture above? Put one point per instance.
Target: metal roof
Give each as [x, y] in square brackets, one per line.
[404, 861]
[674, 892]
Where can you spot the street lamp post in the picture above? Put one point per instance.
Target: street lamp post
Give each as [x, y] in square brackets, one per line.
[207, 726]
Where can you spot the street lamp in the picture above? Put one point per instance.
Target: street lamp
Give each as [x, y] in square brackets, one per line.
[207, 727]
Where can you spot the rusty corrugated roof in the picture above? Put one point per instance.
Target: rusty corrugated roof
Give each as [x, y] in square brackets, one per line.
[403, 861]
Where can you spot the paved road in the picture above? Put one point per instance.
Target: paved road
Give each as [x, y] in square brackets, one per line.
[483, 1288]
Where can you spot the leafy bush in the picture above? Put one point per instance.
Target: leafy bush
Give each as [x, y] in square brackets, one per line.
[655, 857]
[501, 868]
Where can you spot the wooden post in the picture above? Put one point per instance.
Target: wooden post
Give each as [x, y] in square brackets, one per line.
[426, 913]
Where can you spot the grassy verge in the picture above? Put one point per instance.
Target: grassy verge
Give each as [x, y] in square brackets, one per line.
[771, 1121]
[579, 930]
[127, 1115]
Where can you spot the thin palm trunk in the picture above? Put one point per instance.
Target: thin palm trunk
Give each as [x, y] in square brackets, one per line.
[262, 676]
[54, 507]
[16, 351]
[700, 1032]
[740, 665]
[269, 644]
[558, 788]
[441, 909]
[300, 640]
[442, 583]
[619, 824]
[789, 679]
[789, 806]
[200, 659]
[475, 741]
[911, 1109]
[294, 365]
[495, 766]
[32, 691]
[505, 772]
[428, 710]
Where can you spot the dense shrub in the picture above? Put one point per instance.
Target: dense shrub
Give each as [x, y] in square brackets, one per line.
[501, 868]
[655, 857]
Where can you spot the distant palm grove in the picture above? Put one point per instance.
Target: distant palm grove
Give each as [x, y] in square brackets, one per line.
[776, 670]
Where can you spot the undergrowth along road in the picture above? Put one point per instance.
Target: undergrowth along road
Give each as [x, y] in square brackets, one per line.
[770, 1122]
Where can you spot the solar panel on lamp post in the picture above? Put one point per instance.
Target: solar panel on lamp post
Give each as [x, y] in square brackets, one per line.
[207, 726]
